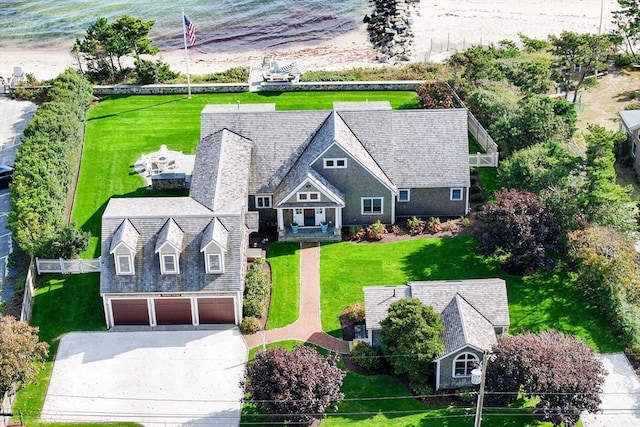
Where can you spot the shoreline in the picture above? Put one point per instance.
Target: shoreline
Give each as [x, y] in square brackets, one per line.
[439, 29]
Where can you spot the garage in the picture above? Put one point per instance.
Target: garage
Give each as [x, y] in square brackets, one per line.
[216, 310]
[130, 311]
[173, 311]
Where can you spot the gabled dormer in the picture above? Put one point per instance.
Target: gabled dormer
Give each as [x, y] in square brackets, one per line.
[214, 245]
[123, 248]
[169, 247]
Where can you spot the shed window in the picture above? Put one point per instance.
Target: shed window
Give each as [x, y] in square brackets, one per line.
[456, 194]
[124, 265]
[464, 363]
[404, 195]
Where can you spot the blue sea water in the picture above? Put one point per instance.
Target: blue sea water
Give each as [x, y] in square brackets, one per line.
[221, 25]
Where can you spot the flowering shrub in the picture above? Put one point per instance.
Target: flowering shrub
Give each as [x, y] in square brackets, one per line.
[434, 225]
[415, 225]
[376, 231]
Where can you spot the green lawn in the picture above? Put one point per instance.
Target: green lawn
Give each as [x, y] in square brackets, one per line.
[536, 303]
[284, 259]
[121, 128]
[61, 305]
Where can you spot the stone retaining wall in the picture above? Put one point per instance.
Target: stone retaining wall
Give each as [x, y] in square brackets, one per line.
[409, 85]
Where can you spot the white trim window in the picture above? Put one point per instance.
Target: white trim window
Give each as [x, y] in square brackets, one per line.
[335, 163]
[404, 195]
[456, 194]
[124, 265]
[169, 264]
[214, 263]
[464, 363]
[308, 196]
[263, 202]
[372, 205]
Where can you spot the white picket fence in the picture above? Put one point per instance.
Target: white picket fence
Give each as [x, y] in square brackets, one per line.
[68, 266]
[482, 160]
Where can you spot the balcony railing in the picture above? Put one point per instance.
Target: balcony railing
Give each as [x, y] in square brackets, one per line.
[310, 234]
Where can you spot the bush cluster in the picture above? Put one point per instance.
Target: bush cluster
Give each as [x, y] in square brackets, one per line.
[356, 312]
[44, 168]
[256, 290]
[366, 357]
[376, 231]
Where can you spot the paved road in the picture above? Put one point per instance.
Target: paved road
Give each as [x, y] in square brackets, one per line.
[620, 395]
[14, 117]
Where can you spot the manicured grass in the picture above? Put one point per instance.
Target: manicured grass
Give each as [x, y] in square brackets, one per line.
[536, 303]
[284, 259]
[62, 304]
[376, 400]
[121, 128]
[488, 179]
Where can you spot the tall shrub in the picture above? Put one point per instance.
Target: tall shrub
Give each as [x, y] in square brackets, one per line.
[44, 168]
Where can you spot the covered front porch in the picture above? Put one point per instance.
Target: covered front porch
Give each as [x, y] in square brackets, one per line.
[313, 223]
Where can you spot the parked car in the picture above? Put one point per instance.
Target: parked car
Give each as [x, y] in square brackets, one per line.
[6, 175]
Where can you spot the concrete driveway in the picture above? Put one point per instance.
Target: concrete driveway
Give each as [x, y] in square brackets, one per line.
[620, 395]
[159, 378]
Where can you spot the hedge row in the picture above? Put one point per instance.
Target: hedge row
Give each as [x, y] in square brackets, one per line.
[45, 164]
[256, 290]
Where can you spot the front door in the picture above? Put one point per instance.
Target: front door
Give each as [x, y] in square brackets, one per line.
[309, 217]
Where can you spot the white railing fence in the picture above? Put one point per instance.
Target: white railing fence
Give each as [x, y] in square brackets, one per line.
[29, 292]
[482, 160]
[68, 266]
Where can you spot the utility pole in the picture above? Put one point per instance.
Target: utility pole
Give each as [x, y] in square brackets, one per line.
[601, 9]
[477, 377]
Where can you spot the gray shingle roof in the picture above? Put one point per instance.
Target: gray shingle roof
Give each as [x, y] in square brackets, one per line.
[631, 118]
[215, 233]
[487, 296]
[170, 234]
[148, 216]
[404, 148]
[464, 325]
[221, 173]
[126, 235]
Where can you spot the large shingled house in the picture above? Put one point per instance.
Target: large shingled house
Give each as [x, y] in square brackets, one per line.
[182, 260]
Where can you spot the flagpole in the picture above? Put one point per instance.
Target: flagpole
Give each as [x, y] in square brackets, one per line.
[186, 53]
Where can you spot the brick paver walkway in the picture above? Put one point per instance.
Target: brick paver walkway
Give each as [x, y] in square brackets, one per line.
[307, 327]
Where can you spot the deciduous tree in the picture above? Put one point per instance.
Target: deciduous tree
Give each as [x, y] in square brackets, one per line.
[435, 94]
[519, 225]
[21, 355]
[296, 384]
[412, 338]
[627, 19]
[561, 370]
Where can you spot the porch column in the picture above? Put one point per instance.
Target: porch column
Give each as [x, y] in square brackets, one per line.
[338, 215]
[280, 219]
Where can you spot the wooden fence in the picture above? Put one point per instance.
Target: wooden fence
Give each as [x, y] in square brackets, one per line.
[29, 292]
[68, 266]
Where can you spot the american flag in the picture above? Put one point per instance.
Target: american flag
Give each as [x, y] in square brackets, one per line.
[191, 30]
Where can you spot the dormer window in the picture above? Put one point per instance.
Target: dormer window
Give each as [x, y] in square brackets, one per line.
[214, 244]
[124, 265]
[214, 263]
[169, 264]
[123, 248]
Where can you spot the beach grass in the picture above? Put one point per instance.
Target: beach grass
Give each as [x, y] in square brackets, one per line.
[539, 302]
[121, 128]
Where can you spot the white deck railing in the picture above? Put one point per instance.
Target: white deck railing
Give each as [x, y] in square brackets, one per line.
[68, 266]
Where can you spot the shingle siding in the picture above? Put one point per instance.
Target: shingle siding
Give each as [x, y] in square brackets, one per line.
[426, 202]
[447, 380]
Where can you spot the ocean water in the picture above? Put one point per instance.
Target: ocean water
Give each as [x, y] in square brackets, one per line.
[221, 25]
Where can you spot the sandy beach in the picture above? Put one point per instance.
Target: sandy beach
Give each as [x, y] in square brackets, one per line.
[439, 26]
